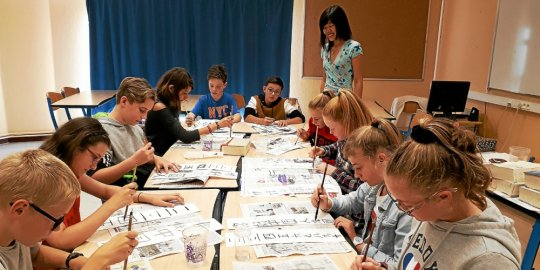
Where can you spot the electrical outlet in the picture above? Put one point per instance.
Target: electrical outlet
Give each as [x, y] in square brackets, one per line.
[525, 106]
[509, 103]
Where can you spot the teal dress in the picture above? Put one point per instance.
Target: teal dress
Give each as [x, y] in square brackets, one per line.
[339, 74]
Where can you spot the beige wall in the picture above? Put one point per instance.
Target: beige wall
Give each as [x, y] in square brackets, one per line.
[465, 54]
[41, 49]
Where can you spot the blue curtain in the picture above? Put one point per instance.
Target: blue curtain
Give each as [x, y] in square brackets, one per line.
[145, 38]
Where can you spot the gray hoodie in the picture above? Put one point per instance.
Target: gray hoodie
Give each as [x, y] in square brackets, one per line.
[484, 241]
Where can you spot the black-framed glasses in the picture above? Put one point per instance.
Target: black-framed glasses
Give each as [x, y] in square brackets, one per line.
[410, 210]
[273, 91]
[57, 221]
[95, 156]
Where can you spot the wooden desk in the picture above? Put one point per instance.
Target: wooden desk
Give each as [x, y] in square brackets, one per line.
[232, 210]
[298, 153]
[86, 100]
[376, 110]
[204, 199]
[177, 155]
[523, 215]
[188, 104]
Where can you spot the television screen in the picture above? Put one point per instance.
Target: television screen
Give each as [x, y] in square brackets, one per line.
[448, 97]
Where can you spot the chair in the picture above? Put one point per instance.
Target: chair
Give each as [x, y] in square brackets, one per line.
[70, 91]
[53, 97]
[240, 101]
[294, 103]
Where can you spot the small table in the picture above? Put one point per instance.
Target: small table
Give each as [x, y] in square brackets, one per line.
[86, 100]
[377, 110]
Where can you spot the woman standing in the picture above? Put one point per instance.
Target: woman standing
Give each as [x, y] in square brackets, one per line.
[341, 56]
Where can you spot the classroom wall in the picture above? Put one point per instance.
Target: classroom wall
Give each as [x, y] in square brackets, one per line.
[467, 34]
[383, 91]
[41, 49]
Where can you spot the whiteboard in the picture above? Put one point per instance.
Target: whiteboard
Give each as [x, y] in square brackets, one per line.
[515, 64]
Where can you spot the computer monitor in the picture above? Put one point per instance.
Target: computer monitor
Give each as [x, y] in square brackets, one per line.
[448, 97]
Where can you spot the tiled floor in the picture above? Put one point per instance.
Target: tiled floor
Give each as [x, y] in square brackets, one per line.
[89, 203]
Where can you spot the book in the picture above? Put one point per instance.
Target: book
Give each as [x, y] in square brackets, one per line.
[508, 187]
[513, 171]
[236, 147]
[532, 179]
[530, 196]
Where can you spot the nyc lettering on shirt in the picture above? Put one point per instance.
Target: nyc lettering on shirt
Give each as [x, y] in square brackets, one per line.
[218, 112]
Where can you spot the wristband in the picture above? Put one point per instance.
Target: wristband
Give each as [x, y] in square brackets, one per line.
[217, 125]
[139, 197]
[209, 129]
[72, 256]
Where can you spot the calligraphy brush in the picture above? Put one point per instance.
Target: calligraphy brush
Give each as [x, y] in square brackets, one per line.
[371, 229]
[304, 126]
[134, 174]
[315, 146]
[129, 229]
[230, 129]
[322, 186]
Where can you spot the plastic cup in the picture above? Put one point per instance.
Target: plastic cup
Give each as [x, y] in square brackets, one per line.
[195, 239]
[242, 233]
[519, 153]
[207, 142]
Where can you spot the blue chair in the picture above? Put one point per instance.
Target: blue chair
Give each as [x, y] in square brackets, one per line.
[53, 97]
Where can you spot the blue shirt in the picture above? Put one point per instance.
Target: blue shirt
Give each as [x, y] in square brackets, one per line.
[208, 108]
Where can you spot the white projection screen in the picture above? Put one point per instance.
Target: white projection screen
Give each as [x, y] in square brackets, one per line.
[515, 64]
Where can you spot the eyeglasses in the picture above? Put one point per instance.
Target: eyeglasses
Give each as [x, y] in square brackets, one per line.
[56, 221]
[96, 157]
[273, 92]
[410, 210]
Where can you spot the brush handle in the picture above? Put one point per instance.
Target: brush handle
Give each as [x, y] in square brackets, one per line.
[322, 187]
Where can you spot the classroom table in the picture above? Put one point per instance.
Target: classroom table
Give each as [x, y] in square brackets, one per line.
[188, 104]
[301, 153]
[86, 100]
[377, 110]
[232, 210]
[176, 155]
[203, 198]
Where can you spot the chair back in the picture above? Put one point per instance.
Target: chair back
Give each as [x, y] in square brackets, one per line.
[70, 91]
[240, 101]
[53, 97]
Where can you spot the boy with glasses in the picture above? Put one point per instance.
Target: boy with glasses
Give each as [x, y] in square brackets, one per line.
[36, 190]
[269, 108]
[129, 148]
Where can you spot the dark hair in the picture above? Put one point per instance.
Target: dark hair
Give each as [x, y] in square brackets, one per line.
[217, 72]
[77, 134]
[440, 155]
[337, 16]
[274, 80]
[180, 79]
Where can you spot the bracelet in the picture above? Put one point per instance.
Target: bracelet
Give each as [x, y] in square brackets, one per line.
[72, 256]
[139, 197]
[209, 129]
[217, 124]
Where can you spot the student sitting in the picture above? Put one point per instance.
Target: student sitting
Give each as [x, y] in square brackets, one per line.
[217, 104]
[162, 126]
[129, 148]
[81, 143]
[438, 178]
[368, 149]
[269, 108]
[343, 114]
[36, 190]
[316, 124]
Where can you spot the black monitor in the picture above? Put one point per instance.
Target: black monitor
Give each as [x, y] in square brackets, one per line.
[448, 97]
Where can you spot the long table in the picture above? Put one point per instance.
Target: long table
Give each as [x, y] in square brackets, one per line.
[232, 210]
[203, 198]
